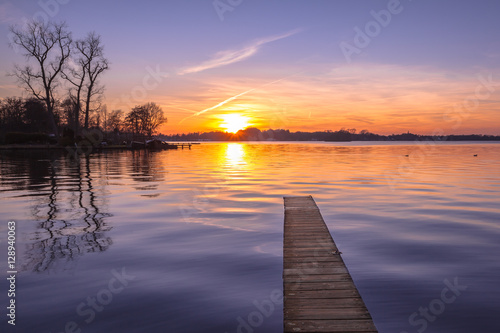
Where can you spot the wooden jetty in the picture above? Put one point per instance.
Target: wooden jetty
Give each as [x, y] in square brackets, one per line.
[161, 145]
[183, 145]
[319, 293]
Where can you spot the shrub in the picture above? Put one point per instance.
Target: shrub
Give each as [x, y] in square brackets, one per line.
[20, 138]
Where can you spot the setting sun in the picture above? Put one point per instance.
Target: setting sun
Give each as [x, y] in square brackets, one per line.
[234, 122]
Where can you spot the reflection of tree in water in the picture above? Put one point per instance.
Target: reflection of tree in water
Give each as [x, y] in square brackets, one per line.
[146, 169]
[72, 213]
[68, 198]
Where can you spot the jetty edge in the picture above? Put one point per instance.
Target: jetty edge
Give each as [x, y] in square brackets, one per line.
[319, 293]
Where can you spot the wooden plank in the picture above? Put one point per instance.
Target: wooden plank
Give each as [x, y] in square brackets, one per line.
[321, 303]
[319, 294]
[329, 293]
[326, 314]
[327, 326]
[317, 278]
[330, 285]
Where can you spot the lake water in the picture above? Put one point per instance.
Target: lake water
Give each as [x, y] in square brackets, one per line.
[191, 240]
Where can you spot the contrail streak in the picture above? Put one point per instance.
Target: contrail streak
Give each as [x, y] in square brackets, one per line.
[235, 97]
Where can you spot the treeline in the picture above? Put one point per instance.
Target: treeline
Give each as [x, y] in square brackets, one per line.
[61, 76]
[342, 135]
[26, 120]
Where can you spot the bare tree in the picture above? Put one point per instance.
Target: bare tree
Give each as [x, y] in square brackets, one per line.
[76, 74]
[133, 122]
[151, 117]
[69, 108]
[145, 119]
[49, 45]
[115, 120]
[93, 62]
[12, 114]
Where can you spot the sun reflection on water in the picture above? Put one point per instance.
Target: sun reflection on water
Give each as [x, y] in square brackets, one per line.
[235, 155]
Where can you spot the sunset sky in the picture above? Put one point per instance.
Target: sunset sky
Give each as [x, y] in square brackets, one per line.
[386, 66]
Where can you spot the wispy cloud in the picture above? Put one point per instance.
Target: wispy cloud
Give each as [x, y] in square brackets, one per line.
[218, 105]
[227, 57]
[361, 120]
[235, 97]
[380, 98]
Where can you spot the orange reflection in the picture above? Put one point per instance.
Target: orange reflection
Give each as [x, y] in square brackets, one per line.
[235, 154]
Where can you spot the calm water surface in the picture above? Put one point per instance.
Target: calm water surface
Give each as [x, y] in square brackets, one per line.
[191, 240]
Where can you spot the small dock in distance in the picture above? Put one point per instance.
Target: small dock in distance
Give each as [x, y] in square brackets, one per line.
[319, 293]
[183, 145]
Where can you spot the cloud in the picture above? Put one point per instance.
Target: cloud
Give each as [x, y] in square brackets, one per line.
[228, 57]
[361, 120]
[235, 97]
[218, 105]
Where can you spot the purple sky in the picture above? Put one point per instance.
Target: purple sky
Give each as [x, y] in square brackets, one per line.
[284, 61]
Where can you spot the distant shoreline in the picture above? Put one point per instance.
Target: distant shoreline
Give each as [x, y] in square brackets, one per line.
[45, 147]
[343, 135]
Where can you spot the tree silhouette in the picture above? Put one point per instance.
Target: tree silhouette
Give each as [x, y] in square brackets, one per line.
[49, 45]
[90, 63]
[145, 119]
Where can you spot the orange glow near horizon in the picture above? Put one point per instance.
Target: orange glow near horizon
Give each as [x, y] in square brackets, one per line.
[382, 99]
[234, 122]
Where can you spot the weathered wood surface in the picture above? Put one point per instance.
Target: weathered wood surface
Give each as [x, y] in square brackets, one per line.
[320, 295]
